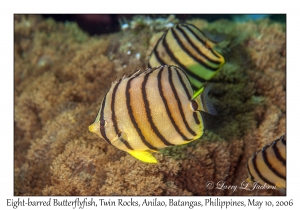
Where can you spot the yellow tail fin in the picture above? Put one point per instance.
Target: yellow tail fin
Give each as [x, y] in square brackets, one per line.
[144, 156]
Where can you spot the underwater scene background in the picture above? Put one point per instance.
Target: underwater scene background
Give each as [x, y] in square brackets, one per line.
[61, 74]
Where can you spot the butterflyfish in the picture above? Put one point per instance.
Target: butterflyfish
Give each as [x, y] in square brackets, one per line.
[185, 46]
[268, 165]
[150, 110]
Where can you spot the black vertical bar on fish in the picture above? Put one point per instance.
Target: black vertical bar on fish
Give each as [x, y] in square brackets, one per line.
[133, 121]
[148, 112]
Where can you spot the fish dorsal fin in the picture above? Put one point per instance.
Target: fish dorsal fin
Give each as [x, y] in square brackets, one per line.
[207, 106]
[213, 39]
[150, 70]
[144, 156]
[134, 74]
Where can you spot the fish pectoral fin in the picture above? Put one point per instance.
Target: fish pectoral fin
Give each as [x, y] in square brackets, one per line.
[206, 102]
[120, 141]
[144, 156]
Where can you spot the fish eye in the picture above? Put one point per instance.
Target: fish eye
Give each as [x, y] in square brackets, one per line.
[194, 105]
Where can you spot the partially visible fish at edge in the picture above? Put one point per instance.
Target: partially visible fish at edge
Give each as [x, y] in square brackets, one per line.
[268, 165]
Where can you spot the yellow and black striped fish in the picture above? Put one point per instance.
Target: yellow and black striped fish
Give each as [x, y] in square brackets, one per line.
[187, 47]
[151, 110]
[268, 165]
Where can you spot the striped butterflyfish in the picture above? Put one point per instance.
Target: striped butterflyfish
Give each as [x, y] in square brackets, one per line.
[268, 165]
[150, 110]
[187, 47]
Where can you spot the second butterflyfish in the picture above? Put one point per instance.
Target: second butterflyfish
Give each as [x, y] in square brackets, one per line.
[185, 46]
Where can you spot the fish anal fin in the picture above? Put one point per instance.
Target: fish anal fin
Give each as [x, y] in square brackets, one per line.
[186, 142]
[144, 156]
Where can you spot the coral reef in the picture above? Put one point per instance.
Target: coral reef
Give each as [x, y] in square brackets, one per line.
[61, 75]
